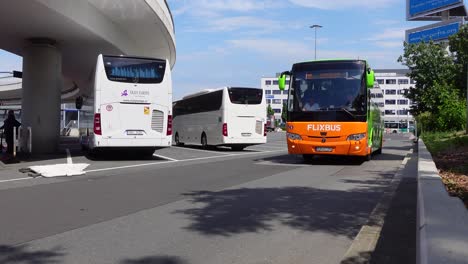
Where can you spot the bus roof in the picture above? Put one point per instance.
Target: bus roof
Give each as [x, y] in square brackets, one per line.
[206, 91]
[331, 60]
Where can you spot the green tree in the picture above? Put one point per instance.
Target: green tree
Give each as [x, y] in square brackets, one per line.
[284, 112]
[270, 110]
[429, 64]
[458, 45]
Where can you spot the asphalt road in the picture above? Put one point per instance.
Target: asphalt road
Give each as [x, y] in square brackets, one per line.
[188, 205]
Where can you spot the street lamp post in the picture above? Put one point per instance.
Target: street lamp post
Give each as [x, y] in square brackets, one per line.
[315, 27]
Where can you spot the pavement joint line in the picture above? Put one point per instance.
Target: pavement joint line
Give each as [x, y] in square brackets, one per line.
[366, 239]
[164, 157]
[170, 161]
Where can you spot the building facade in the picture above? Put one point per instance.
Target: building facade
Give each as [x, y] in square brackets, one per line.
[389, 93]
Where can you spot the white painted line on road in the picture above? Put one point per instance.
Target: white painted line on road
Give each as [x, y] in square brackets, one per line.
[69, 159]
[268, 147]
[164, 157]
[18, 179]
[166, 162]
[201, 150]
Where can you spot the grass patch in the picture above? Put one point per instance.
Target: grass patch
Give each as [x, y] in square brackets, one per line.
[450, 153]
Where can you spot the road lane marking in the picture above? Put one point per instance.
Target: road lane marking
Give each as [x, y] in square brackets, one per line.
[18, 179]
[200, 150]
[164, 157]
[157, 163]
[171, 161]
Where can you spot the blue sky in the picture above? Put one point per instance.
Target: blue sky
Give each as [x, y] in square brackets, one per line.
[236, 42]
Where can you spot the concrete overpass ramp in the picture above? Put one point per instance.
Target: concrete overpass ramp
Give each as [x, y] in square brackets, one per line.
[59, 41]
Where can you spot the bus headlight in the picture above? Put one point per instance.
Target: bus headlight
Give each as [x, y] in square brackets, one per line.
[356, 137]
[293, 136]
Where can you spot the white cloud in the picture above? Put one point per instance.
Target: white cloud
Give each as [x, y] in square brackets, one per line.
[212, 6]
[343, 4]
[389, 33]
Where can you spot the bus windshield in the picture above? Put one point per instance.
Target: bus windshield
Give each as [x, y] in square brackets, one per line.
[245, 95]
[328, 86]
[134, 70]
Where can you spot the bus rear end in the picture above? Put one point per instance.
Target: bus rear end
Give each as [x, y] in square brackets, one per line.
[244, 117]
[132, 103]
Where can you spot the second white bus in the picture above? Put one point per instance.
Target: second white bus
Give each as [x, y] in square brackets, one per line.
[132, 104]
[232, 116]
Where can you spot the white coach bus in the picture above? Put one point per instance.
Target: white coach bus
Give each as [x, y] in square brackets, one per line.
[232, 116]
[132, 104]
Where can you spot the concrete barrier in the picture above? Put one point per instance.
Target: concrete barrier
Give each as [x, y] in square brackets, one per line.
[442, 220]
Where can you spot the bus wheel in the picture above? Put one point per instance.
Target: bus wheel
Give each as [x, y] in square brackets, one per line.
[178, 143]
[204, 141]
[237, 148]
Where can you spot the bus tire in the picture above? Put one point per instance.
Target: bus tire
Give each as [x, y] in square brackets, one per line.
[204, 141]
[178, 143]
[237, 148]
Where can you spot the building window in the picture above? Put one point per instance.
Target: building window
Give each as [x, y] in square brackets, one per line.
[403, 81]
[390, 81]
[276, 91]
[268, 82]
[390, 102]
[285, 91]
[390, 92]
[268, 101]
[389, 112]
[402, 102]
[267, 91]
[403, 91]
[372, 95]
[285, 101]
[287, 82]
[379, 95]
[380, 81]
[412, 81]
[277, 111]
[276, 101]
[381, 104]
[402, 112]
[275, 82]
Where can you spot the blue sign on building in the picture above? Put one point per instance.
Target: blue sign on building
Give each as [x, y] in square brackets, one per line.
[269, 96]
[435, 34]
[422, 6]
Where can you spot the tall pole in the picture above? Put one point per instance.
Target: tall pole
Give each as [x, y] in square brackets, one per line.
[466, 99]
[315, 46]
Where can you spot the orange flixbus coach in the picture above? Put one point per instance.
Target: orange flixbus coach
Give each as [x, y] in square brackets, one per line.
[330, 111]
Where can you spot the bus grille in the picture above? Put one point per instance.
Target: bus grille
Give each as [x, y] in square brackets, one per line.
[157, 121]
[258, 127]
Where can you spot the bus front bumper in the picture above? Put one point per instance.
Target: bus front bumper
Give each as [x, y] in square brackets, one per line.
[351, 148]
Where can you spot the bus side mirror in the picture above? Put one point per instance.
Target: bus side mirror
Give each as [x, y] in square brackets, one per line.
[79, 102]
[370, 79]
[282, 80]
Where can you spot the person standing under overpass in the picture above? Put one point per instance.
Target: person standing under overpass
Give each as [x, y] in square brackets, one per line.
[8, 125]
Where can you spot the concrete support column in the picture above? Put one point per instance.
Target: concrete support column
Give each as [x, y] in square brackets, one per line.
[42, 85]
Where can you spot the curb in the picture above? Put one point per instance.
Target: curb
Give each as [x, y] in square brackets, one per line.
[366, 240]
[442, 229]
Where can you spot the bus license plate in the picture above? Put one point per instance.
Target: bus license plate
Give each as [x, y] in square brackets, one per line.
[323, 149]
[134, 133]
[246, 134]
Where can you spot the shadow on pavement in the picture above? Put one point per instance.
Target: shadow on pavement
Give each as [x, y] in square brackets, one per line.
[20, 254]
[317, 160]
[155, 260]
[231, 212]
